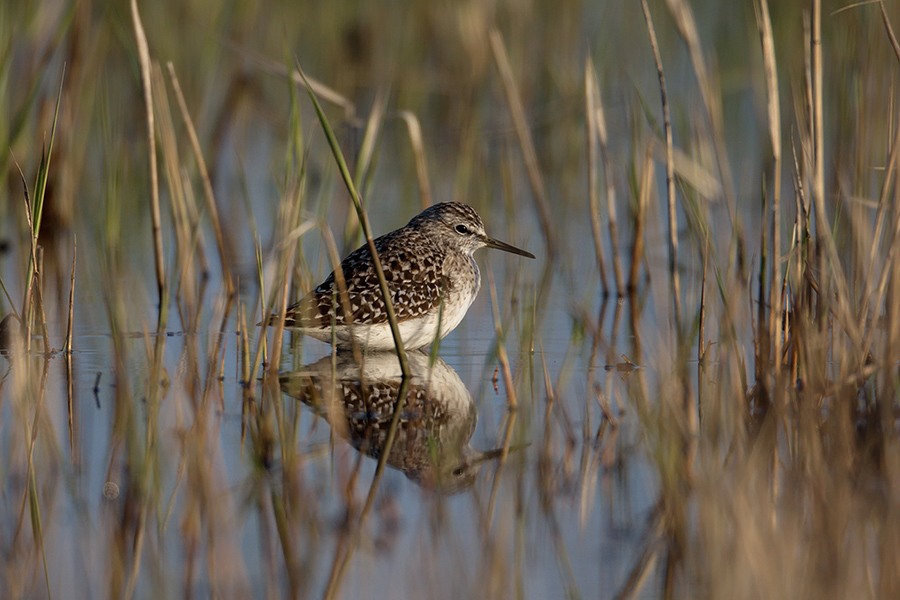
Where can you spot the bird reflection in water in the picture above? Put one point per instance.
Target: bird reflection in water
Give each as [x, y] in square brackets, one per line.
[431, 446]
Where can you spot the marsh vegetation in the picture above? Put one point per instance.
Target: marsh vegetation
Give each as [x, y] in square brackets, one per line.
[691, 393]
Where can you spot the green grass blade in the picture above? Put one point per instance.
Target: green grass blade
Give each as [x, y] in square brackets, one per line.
[40, 185]
[363, 219]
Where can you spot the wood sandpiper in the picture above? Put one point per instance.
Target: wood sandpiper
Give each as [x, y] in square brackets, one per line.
[431, 275]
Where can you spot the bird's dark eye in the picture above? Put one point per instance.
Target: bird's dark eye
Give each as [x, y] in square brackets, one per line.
[462, 229]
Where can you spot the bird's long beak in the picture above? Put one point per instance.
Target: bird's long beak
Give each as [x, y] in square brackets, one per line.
[492, 243]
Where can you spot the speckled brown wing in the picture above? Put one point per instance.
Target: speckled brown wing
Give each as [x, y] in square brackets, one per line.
[413, 267]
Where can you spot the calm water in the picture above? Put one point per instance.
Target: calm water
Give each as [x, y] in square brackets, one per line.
[568, 513]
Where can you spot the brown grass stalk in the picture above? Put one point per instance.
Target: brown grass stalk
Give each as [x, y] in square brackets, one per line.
[895, 46]
[832, 288]
[67, 350]
[520, 123]
[282, 295]
[701, 330]
[875, 300]
[215, 359]
[670, 171]
[645, 564]
[508, 431]
[341, 283]
[323, 91]
[818, 157]
[35, 283]
[188, 250]
[511, 400]
[153, 381]
[773, 107]
[71, 314]
[687, 27]
[144, 56]
[643, 201]
[365, 161]
[39, 302]
[204, 178]
[31, 491]
[365, 165]
[27, 313]
[243, 368]
[611, 211]
[414, 131]
[261, 355]
[591, 91]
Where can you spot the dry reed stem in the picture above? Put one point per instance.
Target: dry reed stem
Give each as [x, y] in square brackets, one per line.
[282, 295]
[374, 125]
[365, 165]
[244, 368]
[805, 132]
[261, 354]
[39, 301]
[183, 213]
[877, 243]
[701, 329]
[693, 174]
[643, 200]
[289, 214]
[556, 390]
[511, 400]
[520, 123]
[684, 20]
[611, 211]
[215, 366]
[590, 93]
[883, 205]
[68, 345]
[548, 385]
[645, 564]
[284, 536]
[144, 59]
[320, 89]
[773, 107]
[341, 283]
[818, 156]
[890, 30]
[31, 492]
[829, 264]
[153, 380]
[508, 431]
[12, 305]
[589, 469]
[204, 178]
[324, 92]
[418, 147]
[882, 208]
[70, 407]
[670, 171]
[801, 236]
[27, 314]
